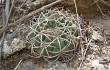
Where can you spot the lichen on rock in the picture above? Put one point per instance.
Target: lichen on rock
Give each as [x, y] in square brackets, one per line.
[15, 45]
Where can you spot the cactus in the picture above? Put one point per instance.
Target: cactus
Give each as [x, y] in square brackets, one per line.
[53, 33]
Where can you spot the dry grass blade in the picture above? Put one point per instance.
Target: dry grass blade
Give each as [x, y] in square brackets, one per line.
[99, 8]
[7, 10]
[84, 54]
[82, 47]
[104, 2]
[28, 15]
[5, 17]
[18, 65]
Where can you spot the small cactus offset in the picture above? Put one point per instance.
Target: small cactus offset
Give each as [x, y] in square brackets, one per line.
[54, 32]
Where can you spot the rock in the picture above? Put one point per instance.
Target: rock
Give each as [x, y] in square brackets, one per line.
[58, 66]
[30, 65]
[12, 43]
[98, 66]
[96, 36]
[16, 45]
[27, 65]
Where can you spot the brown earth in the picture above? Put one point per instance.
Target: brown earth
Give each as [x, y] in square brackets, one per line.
[87, 8]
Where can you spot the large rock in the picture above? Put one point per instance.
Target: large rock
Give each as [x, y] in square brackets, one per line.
[30, 65]
[15, 45]
[12, 43]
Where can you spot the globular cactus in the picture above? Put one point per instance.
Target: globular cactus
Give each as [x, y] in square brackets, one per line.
[53, 33]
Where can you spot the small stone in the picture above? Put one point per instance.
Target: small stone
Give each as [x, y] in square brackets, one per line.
[97, 37]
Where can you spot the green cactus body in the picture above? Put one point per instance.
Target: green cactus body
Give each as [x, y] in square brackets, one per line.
[53, 33]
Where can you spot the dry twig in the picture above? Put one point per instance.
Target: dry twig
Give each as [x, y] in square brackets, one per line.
[18, 65]
[88, 43]
[84, 55]
[28, 15]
